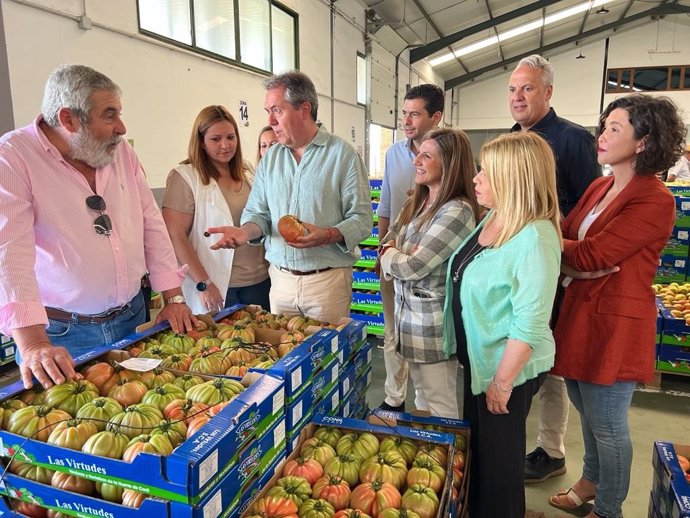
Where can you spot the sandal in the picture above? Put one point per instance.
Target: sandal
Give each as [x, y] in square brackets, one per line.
[568, 500]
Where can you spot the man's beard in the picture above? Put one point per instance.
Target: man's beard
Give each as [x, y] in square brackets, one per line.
[86, 148]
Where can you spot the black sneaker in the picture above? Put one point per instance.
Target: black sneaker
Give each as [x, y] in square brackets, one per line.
[391, 408]
[539, 466]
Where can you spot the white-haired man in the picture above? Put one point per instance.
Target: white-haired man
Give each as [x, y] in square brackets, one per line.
[529, 96]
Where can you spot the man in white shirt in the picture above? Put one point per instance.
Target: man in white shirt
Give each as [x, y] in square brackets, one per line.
[422, 111]
[681, 169]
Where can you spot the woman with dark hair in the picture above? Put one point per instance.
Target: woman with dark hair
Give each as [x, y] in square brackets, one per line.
[267, 138]
[432, 223]
[606, 325]
[210, 188]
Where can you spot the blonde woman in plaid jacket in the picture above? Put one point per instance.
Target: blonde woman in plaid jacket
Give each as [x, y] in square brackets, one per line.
[433, 222]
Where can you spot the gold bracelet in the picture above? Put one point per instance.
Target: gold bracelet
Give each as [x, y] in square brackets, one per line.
[495, 383]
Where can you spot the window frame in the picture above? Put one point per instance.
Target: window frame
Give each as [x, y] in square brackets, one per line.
[238, 51]
[618, 88]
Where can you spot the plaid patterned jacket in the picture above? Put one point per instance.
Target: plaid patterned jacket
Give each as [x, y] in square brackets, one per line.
[418, 266]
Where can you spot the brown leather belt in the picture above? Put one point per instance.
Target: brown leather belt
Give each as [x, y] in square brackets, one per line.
[297, 272]
[65, 316]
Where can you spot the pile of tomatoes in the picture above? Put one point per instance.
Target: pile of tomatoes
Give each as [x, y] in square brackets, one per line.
[359, 475]
[112, 412]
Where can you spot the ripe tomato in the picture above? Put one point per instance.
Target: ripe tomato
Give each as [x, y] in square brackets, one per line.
[291, 228]
[296, 489]
[274, 507]
[318, 450]
[344, 466]
[316, 509]
[405, 447]
[387, 467]
[36, 422]
[98, 374]
[361, 445]
[106, 444]
[333, 489]
[374, 497]
[422, 500]
[72, 483]
[307, 468]
[7, 408]
[71, 395]
[328, 434]
[435, 451]
[135, 420]
[128, 392]
[100, 411]
[351, 513]
[72, 434]
[159, 444]
[427, 472]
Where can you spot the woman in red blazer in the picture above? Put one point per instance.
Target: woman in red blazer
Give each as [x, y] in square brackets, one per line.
[606, 325]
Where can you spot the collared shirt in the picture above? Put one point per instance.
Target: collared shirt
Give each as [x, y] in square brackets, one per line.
[681, 169]
[398, 179]
[576, 157]
[328, 188]
[50, 253]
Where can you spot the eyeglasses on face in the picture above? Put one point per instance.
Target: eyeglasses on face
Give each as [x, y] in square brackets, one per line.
[102, 224]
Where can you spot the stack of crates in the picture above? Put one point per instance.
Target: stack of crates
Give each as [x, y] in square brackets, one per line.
[366, 291]
[7, 350]
[673, 263]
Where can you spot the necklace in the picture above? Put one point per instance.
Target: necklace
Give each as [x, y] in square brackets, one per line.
[469, 255]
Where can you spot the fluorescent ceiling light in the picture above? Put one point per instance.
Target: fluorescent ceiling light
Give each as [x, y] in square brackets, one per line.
[517, 31]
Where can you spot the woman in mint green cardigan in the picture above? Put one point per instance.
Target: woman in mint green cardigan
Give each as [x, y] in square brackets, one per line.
[503, 281]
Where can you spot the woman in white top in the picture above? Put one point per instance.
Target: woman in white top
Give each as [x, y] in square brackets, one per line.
[210, 188]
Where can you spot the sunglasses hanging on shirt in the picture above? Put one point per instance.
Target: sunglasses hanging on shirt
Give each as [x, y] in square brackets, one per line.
[102, 224]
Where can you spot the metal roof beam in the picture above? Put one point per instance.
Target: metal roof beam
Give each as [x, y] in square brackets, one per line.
[438, 31]
[666, 9]
[435, 46]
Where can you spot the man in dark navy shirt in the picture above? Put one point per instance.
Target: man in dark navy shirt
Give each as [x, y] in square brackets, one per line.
[530, 90]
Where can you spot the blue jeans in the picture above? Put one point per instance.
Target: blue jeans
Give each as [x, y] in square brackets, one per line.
[82, 337]
[608, 447]
[254, 294]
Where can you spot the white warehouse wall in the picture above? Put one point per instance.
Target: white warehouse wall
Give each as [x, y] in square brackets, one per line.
[164, 87]
[579, 82]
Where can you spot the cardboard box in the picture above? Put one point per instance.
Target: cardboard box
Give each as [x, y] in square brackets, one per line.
[362, 360]
[682, 209]
[193, 469]
[678, 242]
[367, 302]
[350, 425]
[366, 281]
[347, 381]
[325, 378]
[298, 411]
[671, 491]
[673, 359]
[460, 429]
[671, 269]
[218, 502]
[329, 403]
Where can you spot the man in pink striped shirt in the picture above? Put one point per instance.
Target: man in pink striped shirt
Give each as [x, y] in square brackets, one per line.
[79, 227]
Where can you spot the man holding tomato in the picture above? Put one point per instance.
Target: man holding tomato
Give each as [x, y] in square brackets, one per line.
[319, 179]
[78, 231]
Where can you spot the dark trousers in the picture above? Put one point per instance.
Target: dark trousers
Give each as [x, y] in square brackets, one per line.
[498, 444]
[254, 294]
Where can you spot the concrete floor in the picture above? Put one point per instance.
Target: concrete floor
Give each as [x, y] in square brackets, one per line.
[654, 416]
